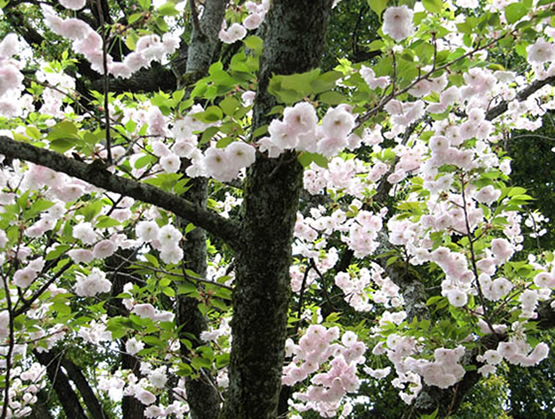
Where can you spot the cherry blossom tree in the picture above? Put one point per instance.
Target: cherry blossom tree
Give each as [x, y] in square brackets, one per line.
[227, 231]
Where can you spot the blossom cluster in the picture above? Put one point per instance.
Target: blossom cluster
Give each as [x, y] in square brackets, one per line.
[256, 12]
[315, 348]
[299, 130]
[87, 42]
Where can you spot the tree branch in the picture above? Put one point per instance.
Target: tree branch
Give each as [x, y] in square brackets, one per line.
[90, 399]
[221, 227]
[67, 397]
[520, 96]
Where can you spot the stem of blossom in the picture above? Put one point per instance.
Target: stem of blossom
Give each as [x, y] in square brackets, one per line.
[473, 256]
[106, 83]
[394, 78]
[162, 271]
[11, 346]
[27, 342]
[435, 51]
[536, 231]
[301, 295]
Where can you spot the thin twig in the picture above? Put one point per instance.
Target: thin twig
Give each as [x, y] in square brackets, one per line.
[28, 303]
[390, 97]
[11, 345]
[194, 15]
[301, 295]
[473, 255]
[106, 82]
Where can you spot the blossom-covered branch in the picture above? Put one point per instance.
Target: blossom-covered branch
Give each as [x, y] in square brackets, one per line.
[98, 176]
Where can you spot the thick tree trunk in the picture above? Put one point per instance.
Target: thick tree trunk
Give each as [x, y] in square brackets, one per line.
[293, 43]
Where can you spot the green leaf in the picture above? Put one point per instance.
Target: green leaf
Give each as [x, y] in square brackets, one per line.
[188, 289]
[199, 363]
[145, 4]
[306, 158]
[208, 134]
[515, 11]
[260, 131]
[152, 259]
[433, 6]
[168, 9]
[254, 43]
[378, 6]
[38, 206]
[62, 145]
[229, 105]
[105, 222]
[376, 45]
[332, 98]
[292, 88]
[57, 252]
[144, 161]
[169, 291]
[211, 114]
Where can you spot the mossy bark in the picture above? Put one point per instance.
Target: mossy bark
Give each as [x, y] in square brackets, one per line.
[293, 43]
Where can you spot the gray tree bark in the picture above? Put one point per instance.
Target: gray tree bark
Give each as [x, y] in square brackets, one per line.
[202, 393]
[293, 43]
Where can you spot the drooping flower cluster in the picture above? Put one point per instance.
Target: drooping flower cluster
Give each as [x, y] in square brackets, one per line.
[88, 42]
[315, 348]
[299, 130]
[165, 239]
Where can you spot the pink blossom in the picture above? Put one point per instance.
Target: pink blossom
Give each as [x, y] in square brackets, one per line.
[170, 163]
[80, 255]
[85, 232]
[147, 231]
[9, 46]
[253, 21]
[10, 78]
[73, 4]
[144, 311]
[397, 22]
[104, 249]
[132, 346]
[545, 280]
[24, 277]
[93, 284]
[338, 122]
[541, 52]
[145, 397]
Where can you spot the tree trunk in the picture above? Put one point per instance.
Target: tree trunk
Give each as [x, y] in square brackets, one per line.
[202, 394]
[293, 43]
